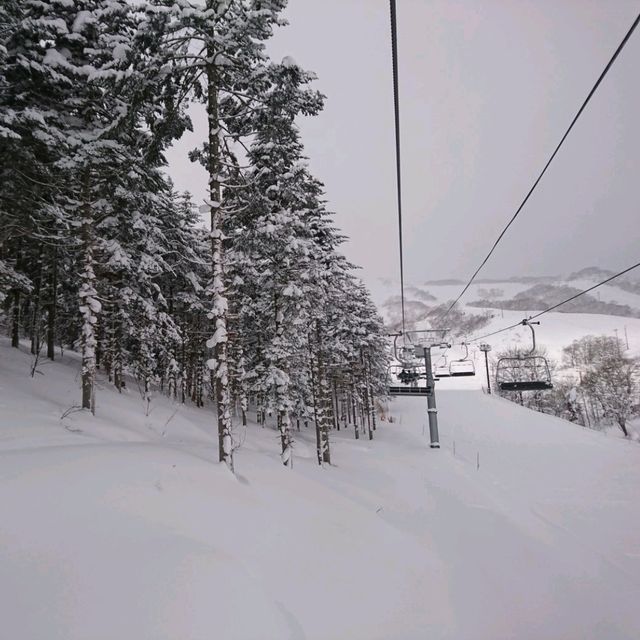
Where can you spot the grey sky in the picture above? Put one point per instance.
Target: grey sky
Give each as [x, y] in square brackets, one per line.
[487, 89]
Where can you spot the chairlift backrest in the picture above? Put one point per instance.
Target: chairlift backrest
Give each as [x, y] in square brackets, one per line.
[523, 373]
[462, 368]
[442, 371]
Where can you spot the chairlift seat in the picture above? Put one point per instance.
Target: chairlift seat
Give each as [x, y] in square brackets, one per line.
[524, 373]
[409, 391]
[462, 368]
[526, 385]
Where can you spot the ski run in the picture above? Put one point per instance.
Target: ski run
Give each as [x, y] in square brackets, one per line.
[124, 525]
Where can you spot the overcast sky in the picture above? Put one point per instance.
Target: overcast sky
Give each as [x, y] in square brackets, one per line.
[487, 88]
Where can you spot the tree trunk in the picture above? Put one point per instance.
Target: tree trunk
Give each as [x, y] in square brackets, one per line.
[623, 425]
[314, 396]
[15, 320]
[367, 409]
[324, 399]
[15, 315]
[353, 411]
[218, 342]
[183, 370]
[284, 425]
[116, 346]
[53, 306]
[88, 304]
[35, 311]
[282, 392]
[372, 398]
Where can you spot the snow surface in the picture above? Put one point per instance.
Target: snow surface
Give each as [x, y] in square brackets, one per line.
[123, 526]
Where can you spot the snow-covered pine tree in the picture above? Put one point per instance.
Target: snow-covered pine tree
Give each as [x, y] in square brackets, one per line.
[328, 271]
[352, 345]
[271, 244]
[189, 34]
[359, 337]
[72, 107]
[86, 55]
[29, 219]
[218, 49]
[187, 270]
[92, 92]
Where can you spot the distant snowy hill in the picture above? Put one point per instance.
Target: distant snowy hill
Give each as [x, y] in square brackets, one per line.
[490, 305]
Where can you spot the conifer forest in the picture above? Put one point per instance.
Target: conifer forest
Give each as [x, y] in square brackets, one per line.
[240, 302]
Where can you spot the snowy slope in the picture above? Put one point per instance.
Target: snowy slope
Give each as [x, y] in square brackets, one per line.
[122, 526]
[542, 540]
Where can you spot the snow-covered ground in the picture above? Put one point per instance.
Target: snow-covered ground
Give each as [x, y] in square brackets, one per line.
[123, 525]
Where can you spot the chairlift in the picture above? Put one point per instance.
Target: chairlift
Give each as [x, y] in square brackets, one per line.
[406, 376]
[464, 366]
[442, 370]
[407, 381]
[409, 376]
[405, 353]
[526, 372]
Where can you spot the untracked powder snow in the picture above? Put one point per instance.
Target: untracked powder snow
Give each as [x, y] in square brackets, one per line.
[124, 525]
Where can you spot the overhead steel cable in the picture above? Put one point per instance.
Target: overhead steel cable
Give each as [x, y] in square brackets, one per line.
[493, 333]
[546, 166]
[396, 107]
[559, 304]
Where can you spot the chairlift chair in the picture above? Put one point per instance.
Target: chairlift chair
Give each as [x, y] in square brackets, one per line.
[526, 372]
[405, 376]
[463, 366]
[442, 370]
[405, 353]
[407, 381]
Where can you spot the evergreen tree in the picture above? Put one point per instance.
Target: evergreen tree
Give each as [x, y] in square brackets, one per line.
[219, 51]
[97, 252]
[271, 242]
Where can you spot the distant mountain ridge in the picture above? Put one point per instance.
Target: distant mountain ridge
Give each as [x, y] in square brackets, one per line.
[543, 296]
[535, 293]
[628, 282]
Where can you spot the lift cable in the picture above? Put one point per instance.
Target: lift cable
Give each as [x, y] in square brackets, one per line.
[546, 166]
[555, 306]
[396, 106]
